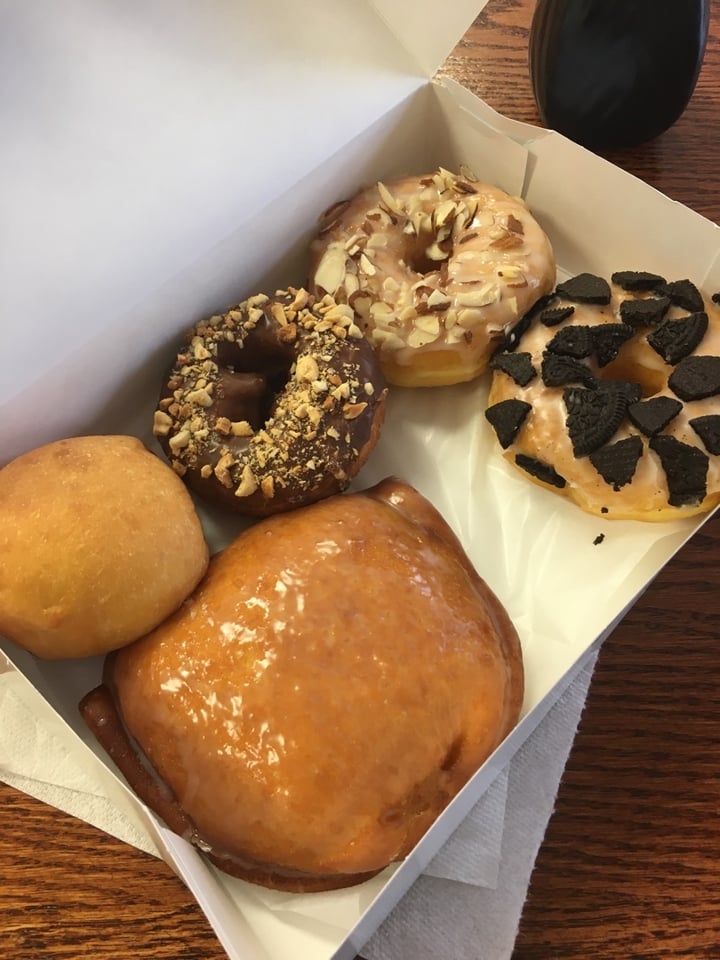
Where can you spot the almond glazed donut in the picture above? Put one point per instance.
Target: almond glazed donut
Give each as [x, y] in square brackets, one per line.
[302, 729]
[436, 268]
[609, 394]
[274, 404]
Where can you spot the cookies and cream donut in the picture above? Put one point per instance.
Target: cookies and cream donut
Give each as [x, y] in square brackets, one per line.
[275, 403]
[303, 729]
[436, 267]
[610, 395]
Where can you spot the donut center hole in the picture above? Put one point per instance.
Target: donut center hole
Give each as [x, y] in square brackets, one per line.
[416, 256]
[627, 367]
[252, 378]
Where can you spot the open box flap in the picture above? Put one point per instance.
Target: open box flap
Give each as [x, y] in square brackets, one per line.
[428, 31]
[139, 136]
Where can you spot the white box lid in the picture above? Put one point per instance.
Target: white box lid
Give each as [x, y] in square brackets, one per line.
[138, 136]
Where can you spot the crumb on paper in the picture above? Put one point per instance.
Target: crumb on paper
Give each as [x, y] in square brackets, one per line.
[598, 539]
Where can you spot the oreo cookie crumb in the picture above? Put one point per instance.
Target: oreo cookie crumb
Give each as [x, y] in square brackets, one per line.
[559, 371]
[585, 288]
[675, 339]
[572, 341]
[684, 293]
[644, 313]
[604, 510]
[637, 280]
[607, 340]
[653, 415]
[594, 415]
[506, 418]
[516, 365]
[695, 378]
[708, 429]
[598, 539]
[617, 462]
[514, 336]
[551, 316]
[542, 471]
[685, 469]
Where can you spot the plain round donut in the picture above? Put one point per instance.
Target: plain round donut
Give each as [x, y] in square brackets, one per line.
[609, 394]
[274, 404]
[436, 268]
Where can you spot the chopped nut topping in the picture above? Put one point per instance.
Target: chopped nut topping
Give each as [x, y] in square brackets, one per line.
[162, 424]
[248, 484]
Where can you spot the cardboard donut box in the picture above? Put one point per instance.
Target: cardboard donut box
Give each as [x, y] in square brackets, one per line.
[164, 162]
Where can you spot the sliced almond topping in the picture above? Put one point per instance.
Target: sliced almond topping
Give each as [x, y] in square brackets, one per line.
[407, 313]
[361, 303]
[351, 284]
[366, 266]
[380, 311]
[267, 485]
[278, 313]
[353, 410]
[223, 426]
[331, 216]
[436, 252]
[387, 340]
[484, 295]
[331, 269]
[353, 243]
[438, 299]
[469, 317]
[206, 471]
[389, 200]
[429, 324]
[416, 338]
[355, 332]
[443, 212]
[368, 388]
[377, 240]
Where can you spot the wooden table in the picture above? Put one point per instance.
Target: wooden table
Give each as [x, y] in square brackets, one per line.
[631, 862]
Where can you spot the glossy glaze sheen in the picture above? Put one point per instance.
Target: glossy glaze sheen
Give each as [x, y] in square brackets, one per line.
[614, 73]
[338, 676]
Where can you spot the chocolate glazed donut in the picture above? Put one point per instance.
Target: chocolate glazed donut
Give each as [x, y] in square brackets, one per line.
[272, 405]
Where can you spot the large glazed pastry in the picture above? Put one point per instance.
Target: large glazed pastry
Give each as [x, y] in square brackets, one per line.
[436, 267]
[99, 542]
[274, 404]
[338, 676]
[610, 395]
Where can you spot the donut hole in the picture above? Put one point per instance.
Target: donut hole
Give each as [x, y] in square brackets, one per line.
[629, 365]
[416, 252]
[252, 377]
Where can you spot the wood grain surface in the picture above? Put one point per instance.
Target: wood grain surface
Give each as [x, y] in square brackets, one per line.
[630, 867]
